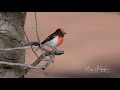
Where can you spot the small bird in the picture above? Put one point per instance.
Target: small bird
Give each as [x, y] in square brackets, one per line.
[53, 40]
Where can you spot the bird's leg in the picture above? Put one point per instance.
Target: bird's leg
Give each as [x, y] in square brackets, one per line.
[54, 49]
[38, 48]
[35, 44]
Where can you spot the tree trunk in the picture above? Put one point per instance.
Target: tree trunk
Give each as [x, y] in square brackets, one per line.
[11, 35]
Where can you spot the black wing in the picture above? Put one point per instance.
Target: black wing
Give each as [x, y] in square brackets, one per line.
[53, 35]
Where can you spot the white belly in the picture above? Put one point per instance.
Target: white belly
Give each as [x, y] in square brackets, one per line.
[53, 42]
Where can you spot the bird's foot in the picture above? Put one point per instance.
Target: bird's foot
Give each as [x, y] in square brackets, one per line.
[56, 51]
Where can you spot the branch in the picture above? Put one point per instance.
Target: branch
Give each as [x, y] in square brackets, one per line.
[25, 47]
[36, 29]
[21, 65]
[29, 43]
[52, 52]
[17, 48]
[33, 66]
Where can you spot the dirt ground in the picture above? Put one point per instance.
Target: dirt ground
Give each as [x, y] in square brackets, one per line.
[92, 41]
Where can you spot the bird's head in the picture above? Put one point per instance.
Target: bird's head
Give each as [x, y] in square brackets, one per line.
[61, 32]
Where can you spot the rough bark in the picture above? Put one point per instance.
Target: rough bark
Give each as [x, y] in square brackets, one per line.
[11, 35]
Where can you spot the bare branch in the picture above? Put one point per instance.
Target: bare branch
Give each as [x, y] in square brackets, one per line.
[33, 66]
[52, 52]
[30, 44]
[17, 48]
[21, 65]
[38, 35]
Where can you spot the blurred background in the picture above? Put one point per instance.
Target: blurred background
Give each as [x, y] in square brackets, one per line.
[92, 42]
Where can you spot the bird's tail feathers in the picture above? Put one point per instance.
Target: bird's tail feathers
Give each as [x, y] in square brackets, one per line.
[33, 44]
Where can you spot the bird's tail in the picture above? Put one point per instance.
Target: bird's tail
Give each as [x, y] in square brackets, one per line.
[33, 44]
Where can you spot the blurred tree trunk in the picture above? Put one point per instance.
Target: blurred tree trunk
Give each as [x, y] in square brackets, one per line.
[11, 35]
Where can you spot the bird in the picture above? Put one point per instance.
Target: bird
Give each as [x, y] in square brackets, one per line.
[53, 40]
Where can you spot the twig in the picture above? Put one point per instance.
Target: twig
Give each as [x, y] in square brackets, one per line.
[41, 58]
[50, 61]
[30, 44]
[33, 66]
[36, 29]
[21, 65]
[17, 48]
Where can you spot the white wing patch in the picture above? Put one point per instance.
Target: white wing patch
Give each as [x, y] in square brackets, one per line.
[53, 42]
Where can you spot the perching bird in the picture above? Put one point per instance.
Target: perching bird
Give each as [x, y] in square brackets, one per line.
[53, 40]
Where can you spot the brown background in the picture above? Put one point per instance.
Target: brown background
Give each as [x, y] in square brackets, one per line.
[92, 39]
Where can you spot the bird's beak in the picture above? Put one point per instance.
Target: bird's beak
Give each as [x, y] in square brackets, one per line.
[65, 33]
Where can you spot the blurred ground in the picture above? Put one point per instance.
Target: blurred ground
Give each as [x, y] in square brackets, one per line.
[92, 39]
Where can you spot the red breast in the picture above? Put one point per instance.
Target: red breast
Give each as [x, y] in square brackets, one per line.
[60, 40]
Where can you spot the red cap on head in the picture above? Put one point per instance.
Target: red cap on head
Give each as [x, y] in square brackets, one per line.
[62, 30]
